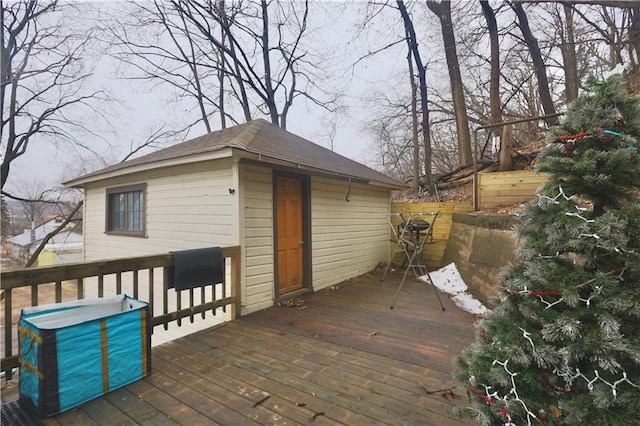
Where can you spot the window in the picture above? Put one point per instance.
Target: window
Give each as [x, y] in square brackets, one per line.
[126, 210]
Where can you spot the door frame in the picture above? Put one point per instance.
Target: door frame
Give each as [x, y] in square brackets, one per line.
[305, 181]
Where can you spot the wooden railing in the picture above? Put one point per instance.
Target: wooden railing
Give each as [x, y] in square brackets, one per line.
[106, 278]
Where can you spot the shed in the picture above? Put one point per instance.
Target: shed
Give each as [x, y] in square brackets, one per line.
[305, 217]
[64, 247]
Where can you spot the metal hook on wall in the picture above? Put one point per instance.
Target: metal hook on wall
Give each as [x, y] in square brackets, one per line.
[349, 191]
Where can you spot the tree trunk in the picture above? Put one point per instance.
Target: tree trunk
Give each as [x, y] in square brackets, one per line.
[414, 122]
[443, 11]
[506, 163]
[424, 106]
[191, 60]
[221, 67]
[570, 63]
[270, 100]
[634, 36]
[538, 63]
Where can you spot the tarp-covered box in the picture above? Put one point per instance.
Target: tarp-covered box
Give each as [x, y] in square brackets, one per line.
[76, 351]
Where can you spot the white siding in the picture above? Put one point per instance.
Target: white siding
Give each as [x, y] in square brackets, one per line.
[348, 238]
[257, 236]
[186, 207]
[190, 207]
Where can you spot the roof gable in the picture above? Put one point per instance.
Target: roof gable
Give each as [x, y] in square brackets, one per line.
[264, 139]
[39, 233]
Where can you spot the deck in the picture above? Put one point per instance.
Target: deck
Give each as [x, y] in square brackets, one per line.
[338, 356]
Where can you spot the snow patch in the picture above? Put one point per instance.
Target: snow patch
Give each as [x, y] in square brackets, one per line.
[619, 69]
[448, 280]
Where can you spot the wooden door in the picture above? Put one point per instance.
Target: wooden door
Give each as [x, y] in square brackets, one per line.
[289, 234]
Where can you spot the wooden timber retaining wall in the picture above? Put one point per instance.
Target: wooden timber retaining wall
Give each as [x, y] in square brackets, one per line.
[505, 188]
[479, 244]
[433, 252]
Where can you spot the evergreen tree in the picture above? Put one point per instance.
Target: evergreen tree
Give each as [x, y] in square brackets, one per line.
[563, 344]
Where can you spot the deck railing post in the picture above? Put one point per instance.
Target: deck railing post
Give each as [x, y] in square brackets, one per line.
[8, 327]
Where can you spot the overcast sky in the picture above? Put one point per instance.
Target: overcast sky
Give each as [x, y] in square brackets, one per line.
[143, 108]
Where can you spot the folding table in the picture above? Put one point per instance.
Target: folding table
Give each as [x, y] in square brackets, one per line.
[410, 236]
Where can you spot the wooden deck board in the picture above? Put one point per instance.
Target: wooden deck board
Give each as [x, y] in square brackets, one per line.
[340, 357]
[134, 407]
[250, 397]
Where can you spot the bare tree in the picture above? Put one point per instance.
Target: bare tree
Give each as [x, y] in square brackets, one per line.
[248, 57]
[569, 59]
[37, 203]
[424, 102]
[34, 257]
[157, 41]
[391, 134]
[494, 85]
[538, 63]
[613, 26]
[443, 11]
[33, 203]
[415, 140]
[43, 70]
[634, 36]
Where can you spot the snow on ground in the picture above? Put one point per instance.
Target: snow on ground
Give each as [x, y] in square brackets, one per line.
[448, 280]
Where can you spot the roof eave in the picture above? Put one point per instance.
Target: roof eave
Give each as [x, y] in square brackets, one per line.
[193, 158]
[265, 159]
[388, 185]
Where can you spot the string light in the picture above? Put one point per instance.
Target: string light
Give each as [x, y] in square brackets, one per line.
[596, 236]
[487, 398]
[569, 377]
[555, 199]
[526, 292]
[526, 335]
[580, 216]
[567, 373]
[514, 390]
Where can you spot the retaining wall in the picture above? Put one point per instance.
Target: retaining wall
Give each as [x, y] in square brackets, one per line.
[480, 245]
[505, 188]
[433, 252]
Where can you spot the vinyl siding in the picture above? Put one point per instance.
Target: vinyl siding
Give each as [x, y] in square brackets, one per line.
[257, 236]
[190, 207]
[348, 238]
[186, 207]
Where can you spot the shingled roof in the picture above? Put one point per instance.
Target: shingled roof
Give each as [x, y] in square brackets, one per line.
[261, 138]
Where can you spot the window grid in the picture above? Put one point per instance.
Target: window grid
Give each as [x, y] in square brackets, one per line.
[125, 211]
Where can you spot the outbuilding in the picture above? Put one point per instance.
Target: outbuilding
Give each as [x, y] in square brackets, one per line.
[305, 217]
